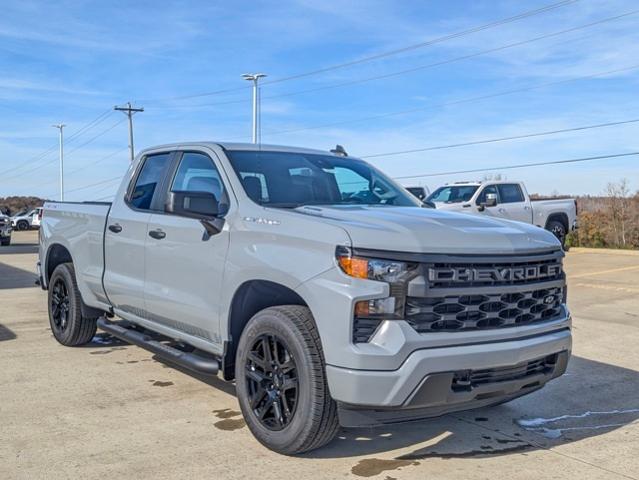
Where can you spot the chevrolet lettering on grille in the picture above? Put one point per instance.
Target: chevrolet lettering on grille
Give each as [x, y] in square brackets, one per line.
[495, 274]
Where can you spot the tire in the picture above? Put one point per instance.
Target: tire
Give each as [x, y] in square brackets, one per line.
[312, 420]
[22, 225]
[5, 242]
[558, 229]
[68, 325]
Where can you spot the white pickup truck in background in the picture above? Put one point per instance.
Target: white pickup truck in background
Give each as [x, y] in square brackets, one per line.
[509, 200]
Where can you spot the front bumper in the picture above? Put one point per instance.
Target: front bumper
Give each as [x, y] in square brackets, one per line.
[423, 386]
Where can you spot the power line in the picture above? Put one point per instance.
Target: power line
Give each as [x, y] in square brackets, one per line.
[388, 53]
[457, 102]
[428, 43]
[96, 121]
[84, 167]
[500, 139]
[68, 153]
[92, 139]
[110, 180]
[522, 165]
[413, 69]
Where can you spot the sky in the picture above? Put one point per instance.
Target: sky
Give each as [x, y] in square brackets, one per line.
[71, 61]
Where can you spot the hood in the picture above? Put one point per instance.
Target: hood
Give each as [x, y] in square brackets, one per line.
[426, 230]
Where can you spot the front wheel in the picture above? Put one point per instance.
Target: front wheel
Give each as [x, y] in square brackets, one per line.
[558, 229]
[281, 381]
[22, 225]
[5, 242]
[68, 325]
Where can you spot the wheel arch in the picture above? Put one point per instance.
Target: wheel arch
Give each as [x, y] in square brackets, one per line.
[56, 255]
[251, 297]
[560, 217]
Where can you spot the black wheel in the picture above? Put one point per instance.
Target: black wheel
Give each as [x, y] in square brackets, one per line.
[281, 381]
[5, 242]
[22, 225]
[558, 229]
[68, 325]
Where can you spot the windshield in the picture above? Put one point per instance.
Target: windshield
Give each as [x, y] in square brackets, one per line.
[291, 179]
[453, 194]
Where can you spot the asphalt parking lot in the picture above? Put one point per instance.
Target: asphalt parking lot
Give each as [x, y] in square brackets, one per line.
[112, 409]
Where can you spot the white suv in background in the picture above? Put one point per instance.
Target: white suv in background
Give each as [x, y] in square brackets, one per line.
[25, 221]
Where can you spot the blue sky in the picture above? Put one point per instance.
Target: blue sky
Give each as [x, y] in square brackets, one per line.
[71, 61]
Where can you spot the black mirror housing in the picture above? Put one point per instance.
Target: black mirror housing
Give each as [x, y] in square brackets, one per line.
[200, 205]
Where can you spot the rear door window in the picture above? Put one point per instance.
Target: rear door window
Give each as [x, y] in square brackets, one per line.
[148, 180]
[510, 193]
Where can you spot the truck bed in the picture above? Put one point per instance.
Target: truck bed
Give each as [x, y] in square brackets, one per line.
[79, 228]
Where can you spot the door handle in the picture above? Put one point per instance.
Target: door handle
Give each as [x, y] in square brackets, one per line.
[115, 228]
[157, 234]
[502, 210]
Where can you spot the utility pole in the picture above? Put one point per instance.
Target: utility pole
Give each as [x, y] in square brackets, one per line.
[254, 77]
[129, 111]
[60, 126]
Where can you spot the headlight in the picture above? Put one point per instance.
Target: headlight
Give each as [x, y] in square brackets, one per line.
[395, 273]
[390, 271]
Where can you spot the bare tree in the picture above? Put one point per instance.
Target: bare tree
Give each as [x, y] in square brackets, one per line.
[619, 209]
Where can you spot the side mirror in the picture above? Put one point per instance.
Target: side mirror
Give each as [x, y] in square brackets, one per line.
[428, 204]
[200, 205]
[489, 201]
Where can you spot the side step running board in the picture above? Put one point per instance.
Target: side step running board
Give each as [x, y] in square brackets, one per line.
[191, 361]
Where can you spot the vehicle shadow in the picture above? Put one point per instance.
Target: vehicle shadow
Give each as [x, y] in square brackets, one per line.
[6, 333]
[19, 248]
[213, 381]
[13, 277]
[592, 399]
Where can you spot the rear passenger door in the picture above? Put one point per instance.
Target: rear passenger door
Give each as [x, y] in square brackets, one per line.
[184, 266]
[512, 203]
[126, 234]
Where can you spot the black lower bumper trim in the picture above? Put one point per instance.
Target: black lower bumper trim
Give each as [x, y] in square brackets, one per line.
[440, 393]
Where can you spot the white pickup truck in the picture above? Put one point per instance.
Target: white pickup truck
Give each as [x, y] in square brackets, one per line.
[508, 200]
[326, 290]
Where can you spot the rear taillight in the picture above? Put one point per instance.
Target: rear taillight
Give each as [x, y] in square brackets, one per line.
[40, 214]
[576, 208]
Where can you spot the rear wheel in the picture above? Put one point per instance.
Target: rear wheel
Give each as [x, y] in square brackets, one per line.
[5, 242]
[281, 381]
[22, 225]
[68, 325]
[558, 229]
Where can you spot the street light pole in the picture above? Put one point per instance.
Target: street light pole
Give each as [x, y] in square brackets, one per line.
[60, 126]
[254, 77]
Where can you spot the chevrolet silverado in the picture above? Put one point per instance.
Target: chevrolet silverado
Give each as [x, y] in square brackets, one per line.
[322, 287]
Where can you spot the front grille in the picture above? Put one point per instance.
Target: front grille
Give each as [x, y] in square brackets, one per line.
[476, 274]
[466, 380]
[453, 313]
